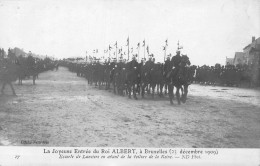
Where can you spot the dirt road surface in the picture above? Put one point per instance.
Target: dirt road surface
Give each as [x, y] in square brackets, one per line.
[62, 110]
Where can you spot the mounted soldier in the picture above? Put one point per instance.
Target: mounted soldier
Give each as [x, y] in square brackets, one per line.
[167, 68]
[179, 76]
[30, 61]
[176, 61]
[183, 67]
[133, 63]
[8, 74]
[167, 65]
[132, 76]
[150, 61]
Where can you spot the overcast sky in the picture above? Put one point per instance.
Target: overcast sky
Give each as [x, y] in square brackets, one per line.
[208, 30]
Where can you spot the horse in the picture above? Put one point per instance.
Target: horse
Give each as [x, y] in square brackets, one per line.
[133, 72]
[57, 66]
[181, 78]
[27, 72]
[156, 76]
[27, 68]
[152, 74]
[119, 78]
[8, 74]
[107, 73]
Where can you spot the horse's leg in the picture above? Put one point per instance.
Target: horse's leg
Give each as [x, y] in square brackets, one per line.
[12, 88]
[114, 84]
[134, 91]
[106, 84]
[165, 91]
[138, 89]
[124, 90]
[185, 93]
[178, 94]
[3, 87]
[143, 85]
[182, 94]
[142, 90]
[19, 80]
[170, 91]
[157, 87]
[153, 89]
[99, 84]
[161, 90]
[148, 89]
[120, 90]
[129, 90]
[34, 77]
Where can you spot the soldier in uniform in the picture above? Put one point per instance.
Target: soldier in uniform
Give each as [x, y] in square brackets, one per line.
[167, 68]
[133, 63]
[149, 64]
[167, 65]
[7, 74]
[30, 61]
[176, 61]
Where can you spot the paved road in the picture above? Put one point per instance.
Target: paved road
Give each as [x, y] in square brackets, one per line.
[62, 110]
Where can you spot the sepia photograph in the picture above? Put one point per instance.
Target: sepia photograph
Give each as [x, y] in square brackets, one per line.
[130, 73]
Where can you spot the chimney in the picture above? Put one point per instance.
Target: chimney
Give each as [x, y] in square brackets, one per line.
[253, 39]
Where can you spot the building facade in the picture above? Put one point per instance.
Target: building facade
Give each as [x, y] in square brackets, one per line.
[229, 61]
[252, 52]
[240, 58]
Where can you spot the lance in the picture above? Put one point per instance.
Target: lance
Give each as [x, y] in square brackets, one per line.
[165, 53]
[109, 55]
[166, 44]
[109, 48]
[164, 48]
[128, 50]
[144, 48]
[121, 51]
[86, 56]
[138, 47]
[179, 47]
[116, 51]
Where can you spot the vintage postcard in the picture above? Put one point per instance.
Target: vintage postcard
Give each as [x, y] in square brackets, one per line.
[130, 82]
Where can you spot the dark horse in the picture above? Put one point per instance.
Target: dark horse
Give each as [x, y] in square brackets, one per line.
[133, 72]
[180, 78]
[8, 74]
[152, 74]
[27, 68]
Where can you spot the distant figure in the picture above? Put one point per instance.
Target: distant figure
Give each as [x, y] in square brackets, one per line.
[57, 66]
[7, 74]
